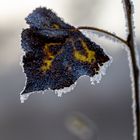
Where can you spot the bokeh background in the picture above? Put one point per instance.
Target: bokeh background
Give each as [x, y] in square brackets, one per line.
[103, 111]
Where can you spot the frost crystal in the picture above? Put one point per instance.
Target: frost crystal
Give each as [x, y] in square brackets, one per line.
[24, 97]
[133, 91]
[97, 78]
[65, 90]
[100, 34]
[130, 64]
[132, 15]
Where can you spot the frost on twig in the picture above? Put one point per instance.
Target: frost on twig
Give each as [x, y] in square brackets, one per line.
[102, 33]
[127, 13]
[133, 91]
[131, 15]
[134, 66]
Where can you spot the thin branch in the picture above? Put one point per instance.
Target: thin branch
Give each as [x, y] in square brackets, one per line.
[104, 32]
[135, 68]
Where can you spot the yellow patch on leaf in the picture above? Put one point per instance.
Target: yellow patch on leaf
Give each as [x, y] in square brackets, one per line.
[55, 26]
[47, 62]
[90, 54]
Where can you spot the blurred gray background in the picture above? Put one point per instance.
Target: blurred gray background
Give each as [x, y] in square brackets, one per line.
[43, 117]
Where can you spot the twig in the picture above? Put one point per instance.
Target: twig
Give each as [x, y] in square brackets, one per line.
[135, 68]
[104, 32]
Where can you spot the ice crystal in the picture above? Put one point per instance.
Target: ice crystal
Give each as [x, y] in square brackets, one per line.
[89, 33]
[59, 92]
[97, 78]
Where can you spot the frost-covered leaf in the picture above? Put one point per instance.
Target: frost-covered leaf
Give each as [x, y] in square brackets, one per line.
[56, 54]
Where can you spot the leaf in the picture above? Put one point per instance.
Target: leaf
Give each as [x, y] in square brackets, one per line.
[56, 53]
